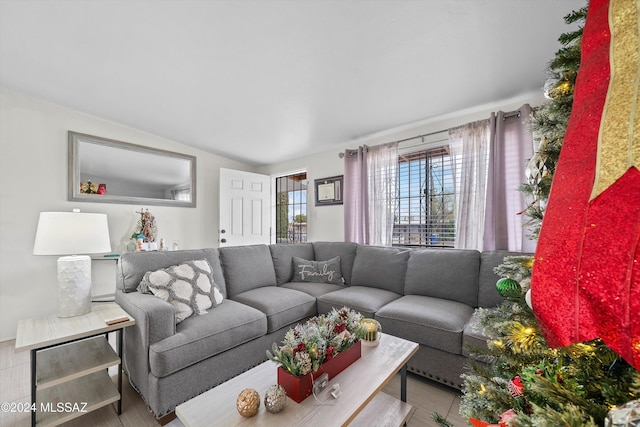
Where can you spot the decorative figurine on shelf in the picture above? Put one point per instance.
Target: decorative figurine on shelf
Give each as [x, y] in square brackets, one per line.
[132, 246]
[146, 231]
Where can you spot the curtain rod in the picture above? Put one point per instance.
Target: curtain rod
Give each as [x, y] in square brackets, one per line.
[511, 114]
[504, 117]
[341, 154]
[422, 136]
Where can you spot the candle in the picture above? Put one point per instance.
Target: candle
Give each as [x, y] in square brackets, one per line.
[372, 330]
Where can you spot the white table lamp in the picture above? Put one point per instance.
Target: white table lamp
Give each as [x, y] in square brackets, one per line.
[72, 233]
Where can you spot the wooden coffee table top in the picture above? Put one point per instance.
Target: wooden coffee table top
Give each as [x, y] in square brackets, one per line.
[359, 383]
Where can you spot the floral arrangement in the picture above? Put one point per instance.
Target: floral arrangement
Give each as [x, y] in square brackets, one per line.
[307, 346]
[89, 187]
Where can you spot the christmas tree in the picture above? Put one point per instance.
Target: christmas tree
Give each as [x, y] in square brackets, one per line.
[518, 379]
[532, 384]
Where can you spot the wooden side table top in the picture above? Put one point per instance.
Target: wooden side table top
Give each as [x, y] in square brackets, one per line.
[50, 330]
[359, 383]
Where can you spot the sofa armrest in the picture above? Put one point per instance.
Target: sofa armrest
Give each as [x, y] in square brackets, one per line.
[155, 318]
[155, 321]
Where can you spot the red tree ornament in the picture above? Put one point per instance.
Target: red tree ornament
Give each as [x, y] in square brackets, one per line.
[479, 423]
[586, 276]
[516, 388]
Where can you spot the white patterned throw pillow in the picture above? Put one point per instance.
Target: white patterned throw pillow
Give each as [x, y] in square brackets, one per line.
[188, 286]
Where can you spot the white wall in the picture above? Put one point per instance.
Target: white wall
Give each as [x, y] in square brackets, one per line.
[326, 223]
[33, 178]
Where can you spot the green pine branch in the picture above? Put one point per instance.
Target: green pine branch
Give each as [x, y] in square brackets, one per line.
[441, 421]
[570, 386]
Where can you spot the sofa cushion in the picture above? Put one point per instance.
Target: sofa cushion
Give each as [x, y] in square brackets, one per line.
[282, 306]
[282, 253]
[429, 321]
[451, 274]
[328, 271]
[379, 267]
[313, 289]
[345, 250]
[247, 267]
[200, 337]
[188, 286]
[472, 336]
[131, 267]
[363, 299]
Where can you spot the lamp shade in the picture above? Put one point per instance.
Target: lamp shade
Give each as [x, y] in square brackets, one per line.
[71, 233]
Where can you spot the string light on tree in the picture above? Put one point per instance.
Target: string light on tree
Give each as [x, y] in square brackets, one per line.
[576, 385]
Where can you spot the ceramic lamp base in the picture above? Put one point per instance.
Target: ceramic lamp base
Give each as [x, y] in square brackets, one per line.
[74, 285]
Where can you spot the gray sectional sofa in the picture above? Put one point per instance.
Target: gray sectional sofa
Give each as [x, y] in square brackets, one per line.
[424, 295]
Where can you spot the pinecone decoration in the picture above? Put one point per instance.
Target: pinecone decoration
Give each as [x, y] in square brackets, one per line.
[248, 402]
[275, 399]
[305, 362]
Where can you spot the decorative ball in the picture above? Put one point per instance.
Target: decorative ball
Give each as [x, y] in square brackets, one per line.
[248, 402]
[516, 388]
[527, 298]
[626, 415]
[508, 287]
[275, 398]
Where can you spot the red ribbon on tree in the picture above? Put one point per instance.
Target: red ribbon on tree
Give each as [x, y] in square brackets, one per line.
[586, 275]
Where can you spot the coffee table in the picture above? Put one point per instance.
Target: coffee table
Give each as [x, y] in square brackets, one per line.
[359, 404]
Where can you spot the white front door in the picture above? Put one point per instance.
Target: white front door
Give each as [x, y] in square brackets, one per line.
[245, 208]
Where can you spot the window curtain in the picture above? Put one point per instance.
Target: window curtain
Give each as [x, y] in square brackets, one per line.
[356, 196]
[511, 148]
[370, 182]
[383, 176]
[469, 145]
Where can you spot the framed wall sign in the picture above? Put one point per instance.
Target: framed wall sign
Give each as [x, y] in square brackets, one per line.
[329, 191]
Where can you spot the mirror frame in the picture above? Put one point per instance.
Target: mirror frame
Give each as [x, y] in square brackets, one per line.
[75, 138]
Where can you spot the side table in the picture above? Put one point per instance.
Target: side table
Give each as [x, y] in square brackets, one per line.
[69, 361]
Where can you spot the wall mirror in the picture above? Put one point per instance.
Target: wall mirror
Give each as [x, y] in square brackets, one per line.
[107, 171]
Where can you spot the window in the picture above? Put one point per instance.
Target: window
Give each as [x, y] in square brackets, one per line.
[182, 194]
[424, 212]
[291, 208]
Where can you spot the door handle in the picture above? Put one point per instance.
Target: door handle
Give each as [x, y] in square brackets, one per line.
[223, 240]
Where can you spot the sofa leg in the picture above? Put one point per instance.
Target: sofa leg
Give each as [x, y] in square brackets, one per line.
[167, 418]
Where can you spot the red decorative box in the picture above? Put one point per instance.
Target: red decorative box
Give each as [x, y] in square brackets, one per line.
[299, 388]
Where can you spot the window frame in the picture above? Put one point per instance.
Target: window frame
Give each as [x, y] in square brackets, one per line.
[439, 235]
[298, 234]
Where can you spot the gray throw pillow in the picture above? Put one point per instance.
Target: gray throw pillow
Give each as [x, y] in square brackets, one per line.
[188, 286]
[317, 271]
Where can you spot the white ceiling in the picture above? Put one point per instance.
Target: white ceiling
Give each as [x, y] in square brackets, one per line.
[265, 81]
